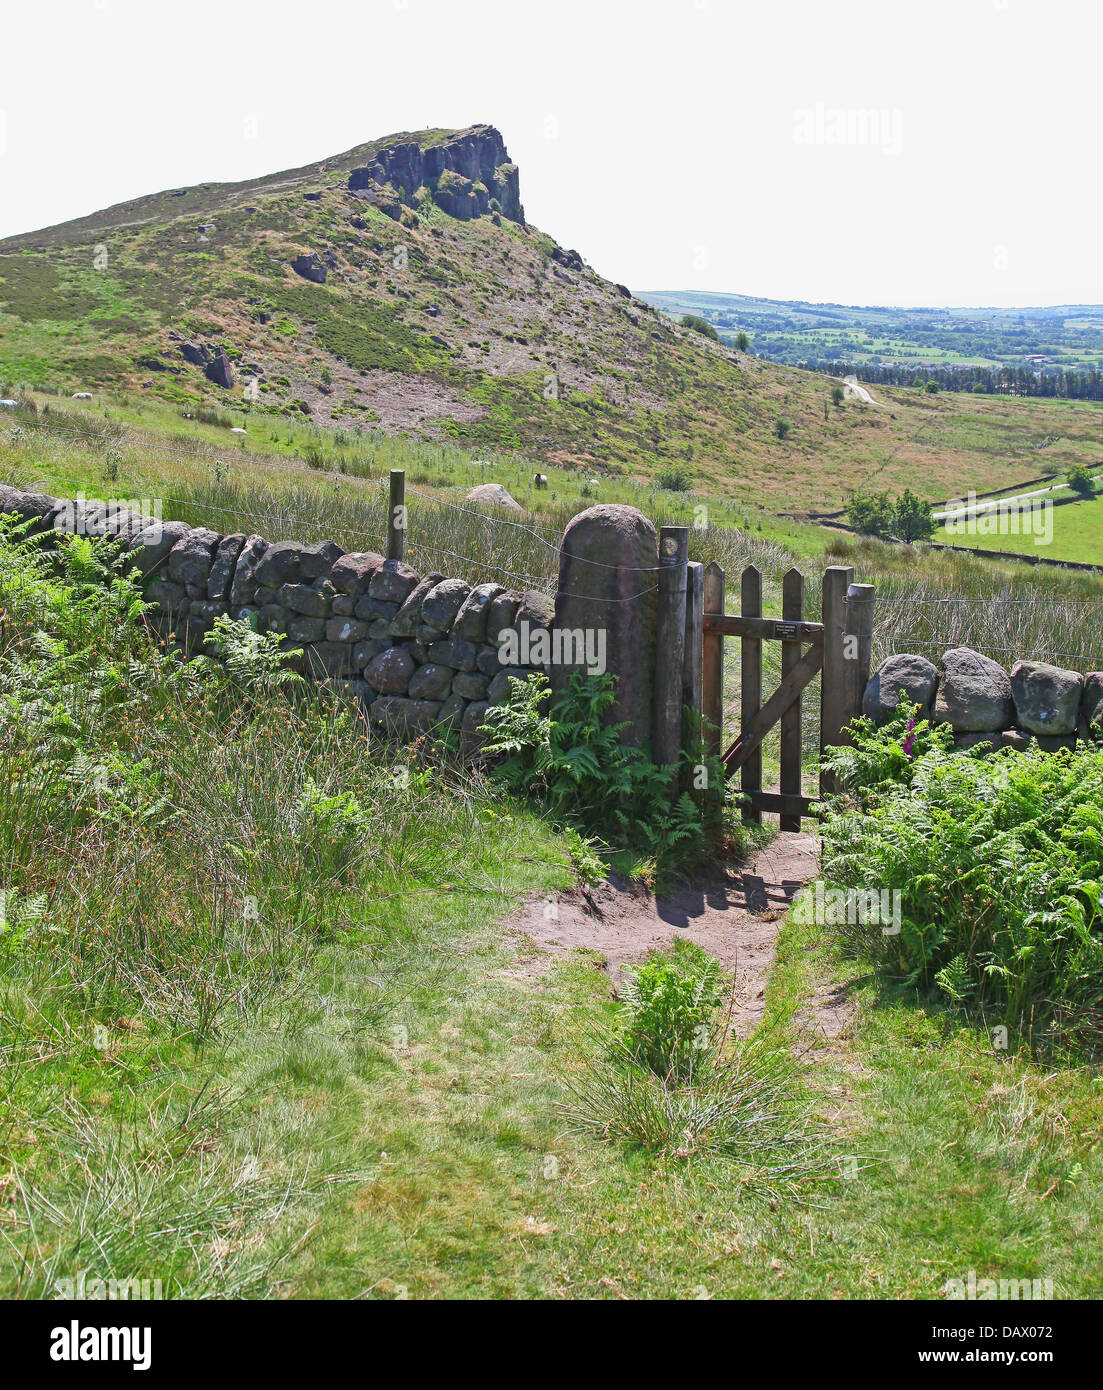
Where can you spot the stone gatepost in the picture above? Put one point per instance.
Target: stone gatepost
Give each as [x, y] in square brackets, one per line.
[607, 603]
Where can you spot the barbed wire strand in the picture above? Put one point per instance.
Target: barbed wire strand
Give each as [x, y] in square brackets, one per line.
[280, 465]
[540, 584]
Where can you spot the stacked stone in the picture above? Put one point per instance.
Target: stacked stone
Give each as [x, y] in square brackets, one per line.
[418, 651]
[986, 705]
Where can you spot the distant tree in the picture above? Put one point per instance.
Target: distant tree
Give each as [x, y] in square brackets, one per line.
[782, 428]
[742, 342]
[1079, 479]
[913, 520]
[700, 325]
[838, 395]
[871, 513]
[931, 387]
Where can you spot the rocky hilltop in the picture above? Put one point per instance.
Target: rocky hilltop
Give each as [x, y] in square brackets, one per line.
[468, 174]
[397, 286]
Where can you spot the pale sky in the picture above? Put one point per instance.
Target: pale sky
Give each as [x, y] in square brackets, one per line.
[871, 152]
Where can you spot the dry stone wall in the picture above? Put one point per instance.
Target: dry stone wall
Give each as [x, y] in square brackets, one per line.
[985, 704]
[418, 651]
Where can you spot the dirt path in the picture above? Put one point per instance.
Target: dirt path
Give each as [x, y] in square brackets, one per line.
[735, 917]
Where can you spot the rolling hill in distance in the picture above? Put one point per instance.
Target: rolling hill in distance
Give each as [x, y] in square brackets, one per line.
[399, 288]
[1066, 336]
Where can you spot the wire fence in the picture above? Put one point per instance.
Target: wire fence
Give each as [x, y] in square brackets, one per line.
[288, 519]
[1051, 626]
[1059, 629]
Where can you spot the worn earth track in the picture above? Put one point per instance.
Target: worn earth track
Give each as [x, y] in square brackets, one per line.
[734, 916]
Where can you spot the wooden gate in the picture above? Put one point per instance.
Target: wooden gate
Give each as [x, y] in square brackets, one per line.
[839, 646]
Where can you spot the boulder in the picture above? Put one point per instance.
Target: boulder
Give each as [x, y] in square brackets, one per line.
[974, 693]
[279, 564]
[191, 557]
[194, 353]
[503, 614]
[151, 548]
[243, 590]
[470, 685]
[493, 495]
[1047, 698]
[443, 602]
[500, 689]
[471, 739]
[166, 595]
[301, 598]
[316, 561]
[351, 574]
[224, 566]
[914, 675]
[34, 507]
[536, 609]
[363, 652]
[308, 268]
[390, 671]
[431, 682]
[304, 629]
[454, 651]
[404, 717]
[488, 661]
[472, 619]
[273, 617]
[407, 619]
[369, 609]
[393, 582]
[1091, 702]
[607, 582]
[346, 630]
[1016, 738]
[451, 713]
[219, 371]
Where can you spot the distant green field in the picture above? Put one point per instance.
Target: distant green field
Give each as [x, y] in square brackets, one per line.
[1077, 533]
[1068, 337]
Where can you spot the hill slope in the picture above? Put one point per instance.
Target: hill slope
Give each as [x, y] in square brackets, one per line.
[398, 286]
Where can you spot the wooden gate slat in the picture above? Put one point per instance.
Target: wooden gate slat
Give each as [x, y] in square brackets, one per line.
[755, 729]
[712, 663]
[847, 624]
[750, 691]
[792, 611]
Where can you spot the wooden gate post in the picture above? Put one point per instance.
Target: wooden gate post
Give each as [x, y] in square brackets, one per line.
[712, 664]
[396, 516]
[859, 631]
[834, 688]
[670, 644]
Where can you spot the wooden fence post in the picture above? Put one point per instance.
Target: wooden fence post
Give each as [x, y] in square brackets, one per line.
[695, 636]
[750, 685]
[833, 692]
[712, 664]
[670, 644]
[792, 610]
[859, 631]
[396, 516]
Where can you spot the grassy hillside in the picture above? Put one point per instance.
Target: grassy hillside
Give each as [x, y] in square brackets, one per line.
[477, 331]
